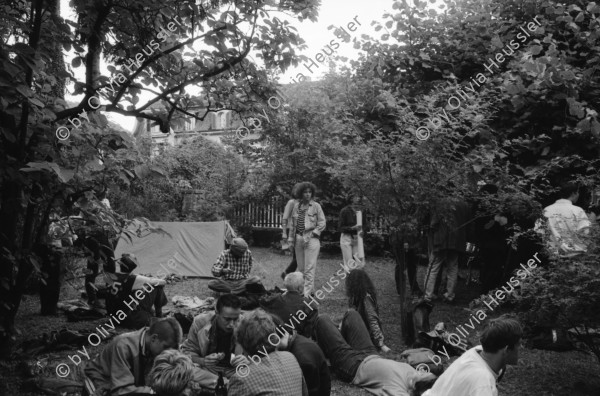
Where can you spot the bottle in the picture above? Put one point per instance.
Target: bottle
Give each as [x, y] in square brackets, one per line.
[220, 390]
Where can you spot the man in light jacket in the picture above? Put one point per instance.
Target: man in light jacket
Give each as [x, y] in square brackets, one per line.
[308, 222]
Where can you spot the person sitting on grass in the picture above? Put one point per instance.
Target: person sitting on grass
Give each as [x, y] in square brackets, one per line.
[363, 298]
[476, 372]
[355, 360]
[123, 285]
[171, 374]
[233, 269]
[121, 368]
[211, 341]
[277, 373]
[287, 306]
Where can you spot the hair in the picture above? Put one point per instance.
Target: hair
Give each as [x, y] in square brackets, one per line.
[294, 281]
[228, 300]
[568, 189]
[500, 332]
[295, 193]
[358, 284]
[421, 386]
[171, 373]
[167, 329]
[254, 330]
[303, 186]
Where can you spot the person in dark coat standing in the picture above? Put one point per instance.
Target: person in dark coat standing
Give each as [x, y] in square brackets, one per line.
[450, 220]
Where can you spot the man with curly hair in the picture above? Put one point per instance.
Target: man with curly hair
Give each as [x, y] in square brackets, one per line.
[308, 222]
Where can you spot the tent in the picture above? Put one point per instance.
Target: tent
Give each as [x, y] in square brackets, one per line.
[184, 248]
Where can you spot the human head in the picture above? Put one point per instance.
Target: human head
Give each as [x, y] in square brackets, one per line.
[163, 334]
[128, 262]
[294, 281]
[296, 194]
[304, 189]
[358, 284]
[501, 337]
[238, 247]
[569, 191]
[171, 373]
[228, 310]
[257, 332]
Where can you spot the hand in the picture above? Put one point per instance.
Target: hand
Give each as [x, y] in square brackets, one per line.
[357, 227]
[385, 349]
[239, 359]
[226, 271]
[212, 359]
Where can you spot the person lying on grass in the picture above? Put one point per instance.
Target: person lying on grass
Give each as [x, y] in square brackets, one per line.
[355, 360]
[171, 374]
[121, 368]
[273, 373]
[233, 269]
[476, 372]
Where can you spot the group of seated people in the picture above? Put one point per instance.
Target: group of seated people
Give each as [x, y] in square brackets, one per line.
[267, 352]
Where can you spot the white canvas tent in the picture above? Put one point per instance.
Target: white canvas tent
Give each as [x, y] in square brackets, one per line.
[185, 248]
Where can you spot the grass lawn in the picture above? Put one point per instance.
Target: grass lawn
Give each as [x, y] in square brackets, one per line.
[538, 373]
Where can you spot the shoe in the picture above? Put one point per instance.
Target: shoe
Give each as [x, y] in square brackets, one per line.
[447, 300]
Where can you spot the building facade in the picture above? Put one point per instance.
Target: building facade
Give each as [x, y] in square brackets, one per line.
[213, 127]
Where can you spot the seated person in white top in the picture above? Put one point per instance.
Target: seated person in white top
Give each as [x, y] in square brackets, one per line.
[567, 222]
[475, 373]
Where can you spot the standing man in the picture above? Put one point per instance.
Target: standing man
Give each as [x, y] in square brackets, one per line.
[447, 239]
[122, 367]
[476, 372]
[233, 267]
[211, 340]
[568, 223]
[286, 224]
[350, 231]
[308, 222]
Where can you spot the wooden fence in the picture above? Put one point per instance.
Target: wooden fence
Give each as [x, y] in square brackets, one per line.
[269, 214]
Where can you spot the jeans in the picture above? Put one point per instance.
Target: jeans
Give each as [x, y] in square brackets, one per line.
[438, 258]
[345, 350]
[349, 246]
[306, 255]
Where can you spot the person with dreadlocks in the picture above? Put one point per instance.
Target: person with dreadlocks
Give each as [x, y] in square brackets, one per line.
[363, 298]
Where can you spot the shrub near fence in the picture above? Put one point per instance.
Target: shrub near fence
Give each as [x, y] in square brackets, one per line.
[260, 224]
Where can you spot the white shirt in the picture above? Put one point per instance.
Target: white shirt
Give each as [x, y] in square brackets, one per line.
[566, 223]
[469, 375]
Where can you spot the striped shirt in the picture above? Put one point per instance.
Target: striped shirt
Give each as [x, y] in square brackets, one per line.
[301, 218]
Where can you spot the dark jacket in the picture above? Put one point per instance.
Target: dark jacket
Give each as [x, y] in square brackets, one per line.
[347, 220]
[313, 364]
[286, 307]
[450, 225]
